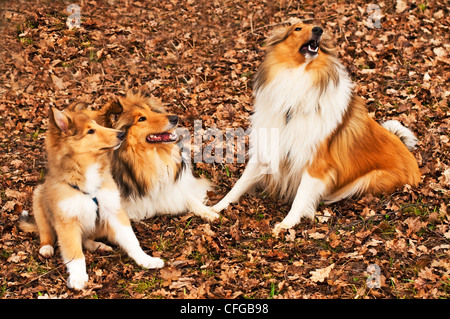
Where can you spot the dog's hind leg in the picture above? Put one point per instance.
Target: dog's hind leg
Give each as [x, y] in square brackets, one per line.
[374, 182]
[45, 229]
[308, 195]
[250, 176]
[70, 242]
[93, 246]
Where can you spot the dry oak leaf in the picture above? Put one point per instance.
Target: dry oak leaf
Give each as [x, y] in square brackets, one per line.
[170, 273]
[15, 258]
[58, 82]
[319, 275]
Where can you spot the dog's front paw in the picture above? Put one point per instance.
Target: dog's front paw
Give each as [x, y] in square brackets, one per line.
[220, 206]
[285, 224]
[77, 281]
[208, 213]
[149, 262]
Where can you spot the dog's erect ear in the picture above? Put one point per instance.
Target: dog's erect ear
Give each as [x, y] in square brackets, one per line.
[112, 107]
[110, 111]
[60, 120]
[77, 106]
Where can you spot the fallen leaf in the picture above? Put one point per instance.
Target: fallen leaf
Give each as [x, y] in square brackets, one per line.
[17, 257]
[316, 235]
[58, 82]
[170, 273]
[319, 275]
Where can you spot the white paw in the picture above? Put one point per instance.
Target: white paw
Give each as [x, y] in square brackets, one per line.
[220, 206]
[149, 262]
[77, 281]
[285, 224]
[47, 251]
[208, 214]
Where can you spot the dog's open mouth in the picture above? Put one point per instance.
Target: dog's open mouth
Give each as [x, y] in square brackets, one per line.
[310, 47]
[165, 137]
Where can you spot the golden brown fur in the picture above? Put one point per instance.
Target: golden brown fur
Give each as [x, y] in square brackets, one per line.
[282, 52]
[152, 175]
[329, 148]
[133, 164]
[79, 200]
[361, 148]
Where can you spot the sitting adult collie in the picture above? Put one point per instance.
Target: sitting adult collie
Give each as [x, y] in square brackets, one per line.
[79, 199]
[326, 145]
[153, 177]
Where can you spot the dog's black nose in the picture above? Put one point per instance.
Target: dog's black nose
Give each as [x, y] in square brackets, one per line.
[121, 135]
[317, 30]
[173, 119]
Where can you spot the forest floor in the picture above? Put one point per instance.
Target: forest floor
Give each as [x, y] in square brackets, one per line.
[199, 57]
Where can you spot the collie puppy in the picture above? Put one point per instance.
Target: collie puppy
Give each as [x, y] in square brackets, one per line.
[153, 177]
[79, 200]
[321, 144]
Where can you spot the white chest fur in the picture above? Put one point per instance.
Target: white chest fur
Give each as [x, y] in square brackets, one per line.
[93, 179]
[292, 117]
[81, 205]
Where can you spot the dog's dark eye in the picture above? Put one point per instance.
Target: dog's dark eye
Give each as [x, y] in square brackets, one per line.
[297, 29]
[91, 131]
[142, 119]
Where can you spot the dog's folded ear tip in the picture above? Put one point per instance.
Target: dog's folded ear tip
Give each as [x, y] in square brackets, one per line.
[113, 106]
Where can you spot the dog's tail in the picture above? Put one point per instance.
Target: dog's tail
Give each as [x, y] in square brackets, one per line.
[404, 134]
[27, 223]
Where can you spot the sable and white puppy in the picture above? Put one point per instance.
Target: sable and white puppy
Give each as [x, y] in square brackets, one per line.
[153, 177]
[79, 200]
[320, 142]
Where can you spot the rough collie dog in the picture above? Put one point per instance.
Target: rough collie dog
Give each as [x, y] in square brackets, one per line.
[79, 199]
[153, 177]
[328, 147]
